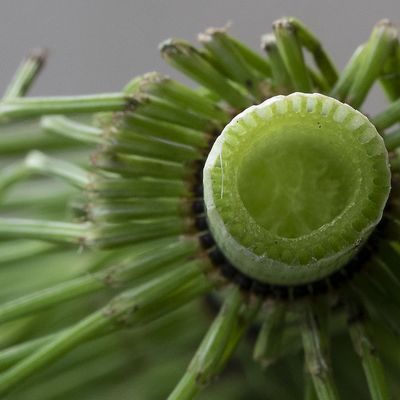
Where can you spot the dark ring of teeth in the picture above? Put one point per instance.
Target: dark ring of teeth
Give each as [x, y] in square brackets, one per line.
[266, 290]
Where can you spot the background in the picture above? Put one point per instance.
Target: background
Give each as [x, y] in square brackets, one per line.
[99, 45]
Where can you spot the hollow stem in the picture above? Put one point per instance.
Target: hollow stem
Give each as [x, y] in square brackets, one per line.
[256, 170]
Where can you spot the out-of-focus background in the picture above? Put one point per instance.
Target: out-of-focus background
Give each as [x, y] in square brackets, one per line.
[99, 45]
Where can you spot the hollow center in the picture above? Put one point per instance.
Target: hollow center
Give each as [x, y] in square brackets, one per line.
[296, 184]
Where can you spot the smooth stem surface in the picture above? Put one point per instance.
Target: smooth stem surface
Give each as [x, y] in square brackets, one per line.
[315, 343]
[377, 50]
[388, 117]
[292, 55]
[39, 162]
[207, 360]
[67, 127]
[119, 313]
[25, 75]
[42, 230]
[37, 106]
[143, 264]
[372, 365]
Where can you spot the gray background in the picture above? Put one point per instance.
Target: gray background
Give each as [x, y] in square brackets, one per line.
[99, 45]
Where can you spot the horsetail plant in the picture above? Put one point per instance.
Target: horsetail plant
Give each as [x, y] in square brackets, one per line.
[264, 196]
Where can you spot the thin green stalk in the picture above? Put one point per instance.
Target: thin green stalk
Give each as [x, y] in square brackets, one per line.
[13, 354]
[124, 188]
[125, 210]
[390, 78]
[142, 264]
[26, 74]
[269, 340]
[24, 108]
[125, 140]
[378, 48]
[132, 165]
[347, 77]
[22, 249]
[166, 130]
[69, 128]
[278, 68]
[156, 108]
[313, 45]
[315, 343]
[11, 175]
[388, 117]
[13, 139]
[111, 235]
[227, 58]
[392, 141]
[52, 231]
[186, 58]
[309, 391]
[253, 59]
[206, 363]
[292, 55]
[38, 162]
[175, 93]
[364, 347]
[119, 313]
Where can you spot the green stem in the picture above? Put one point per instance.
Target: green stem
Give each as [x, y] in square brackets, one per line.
[278, 68]
[38, 162]
[25, 108]
[11, 175]
[292, 55]
[186, 58]
[311, 43]
[42, 230]
[213, 349]
[226, 57]
[315, 342]
[119, 313]
[347, 77]
[64, 126]
[390, 78]
[175, 93]
[140, 265]
[377, 50]
[25, 75]
[269, 340]
[365, 348]
[388, 117]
